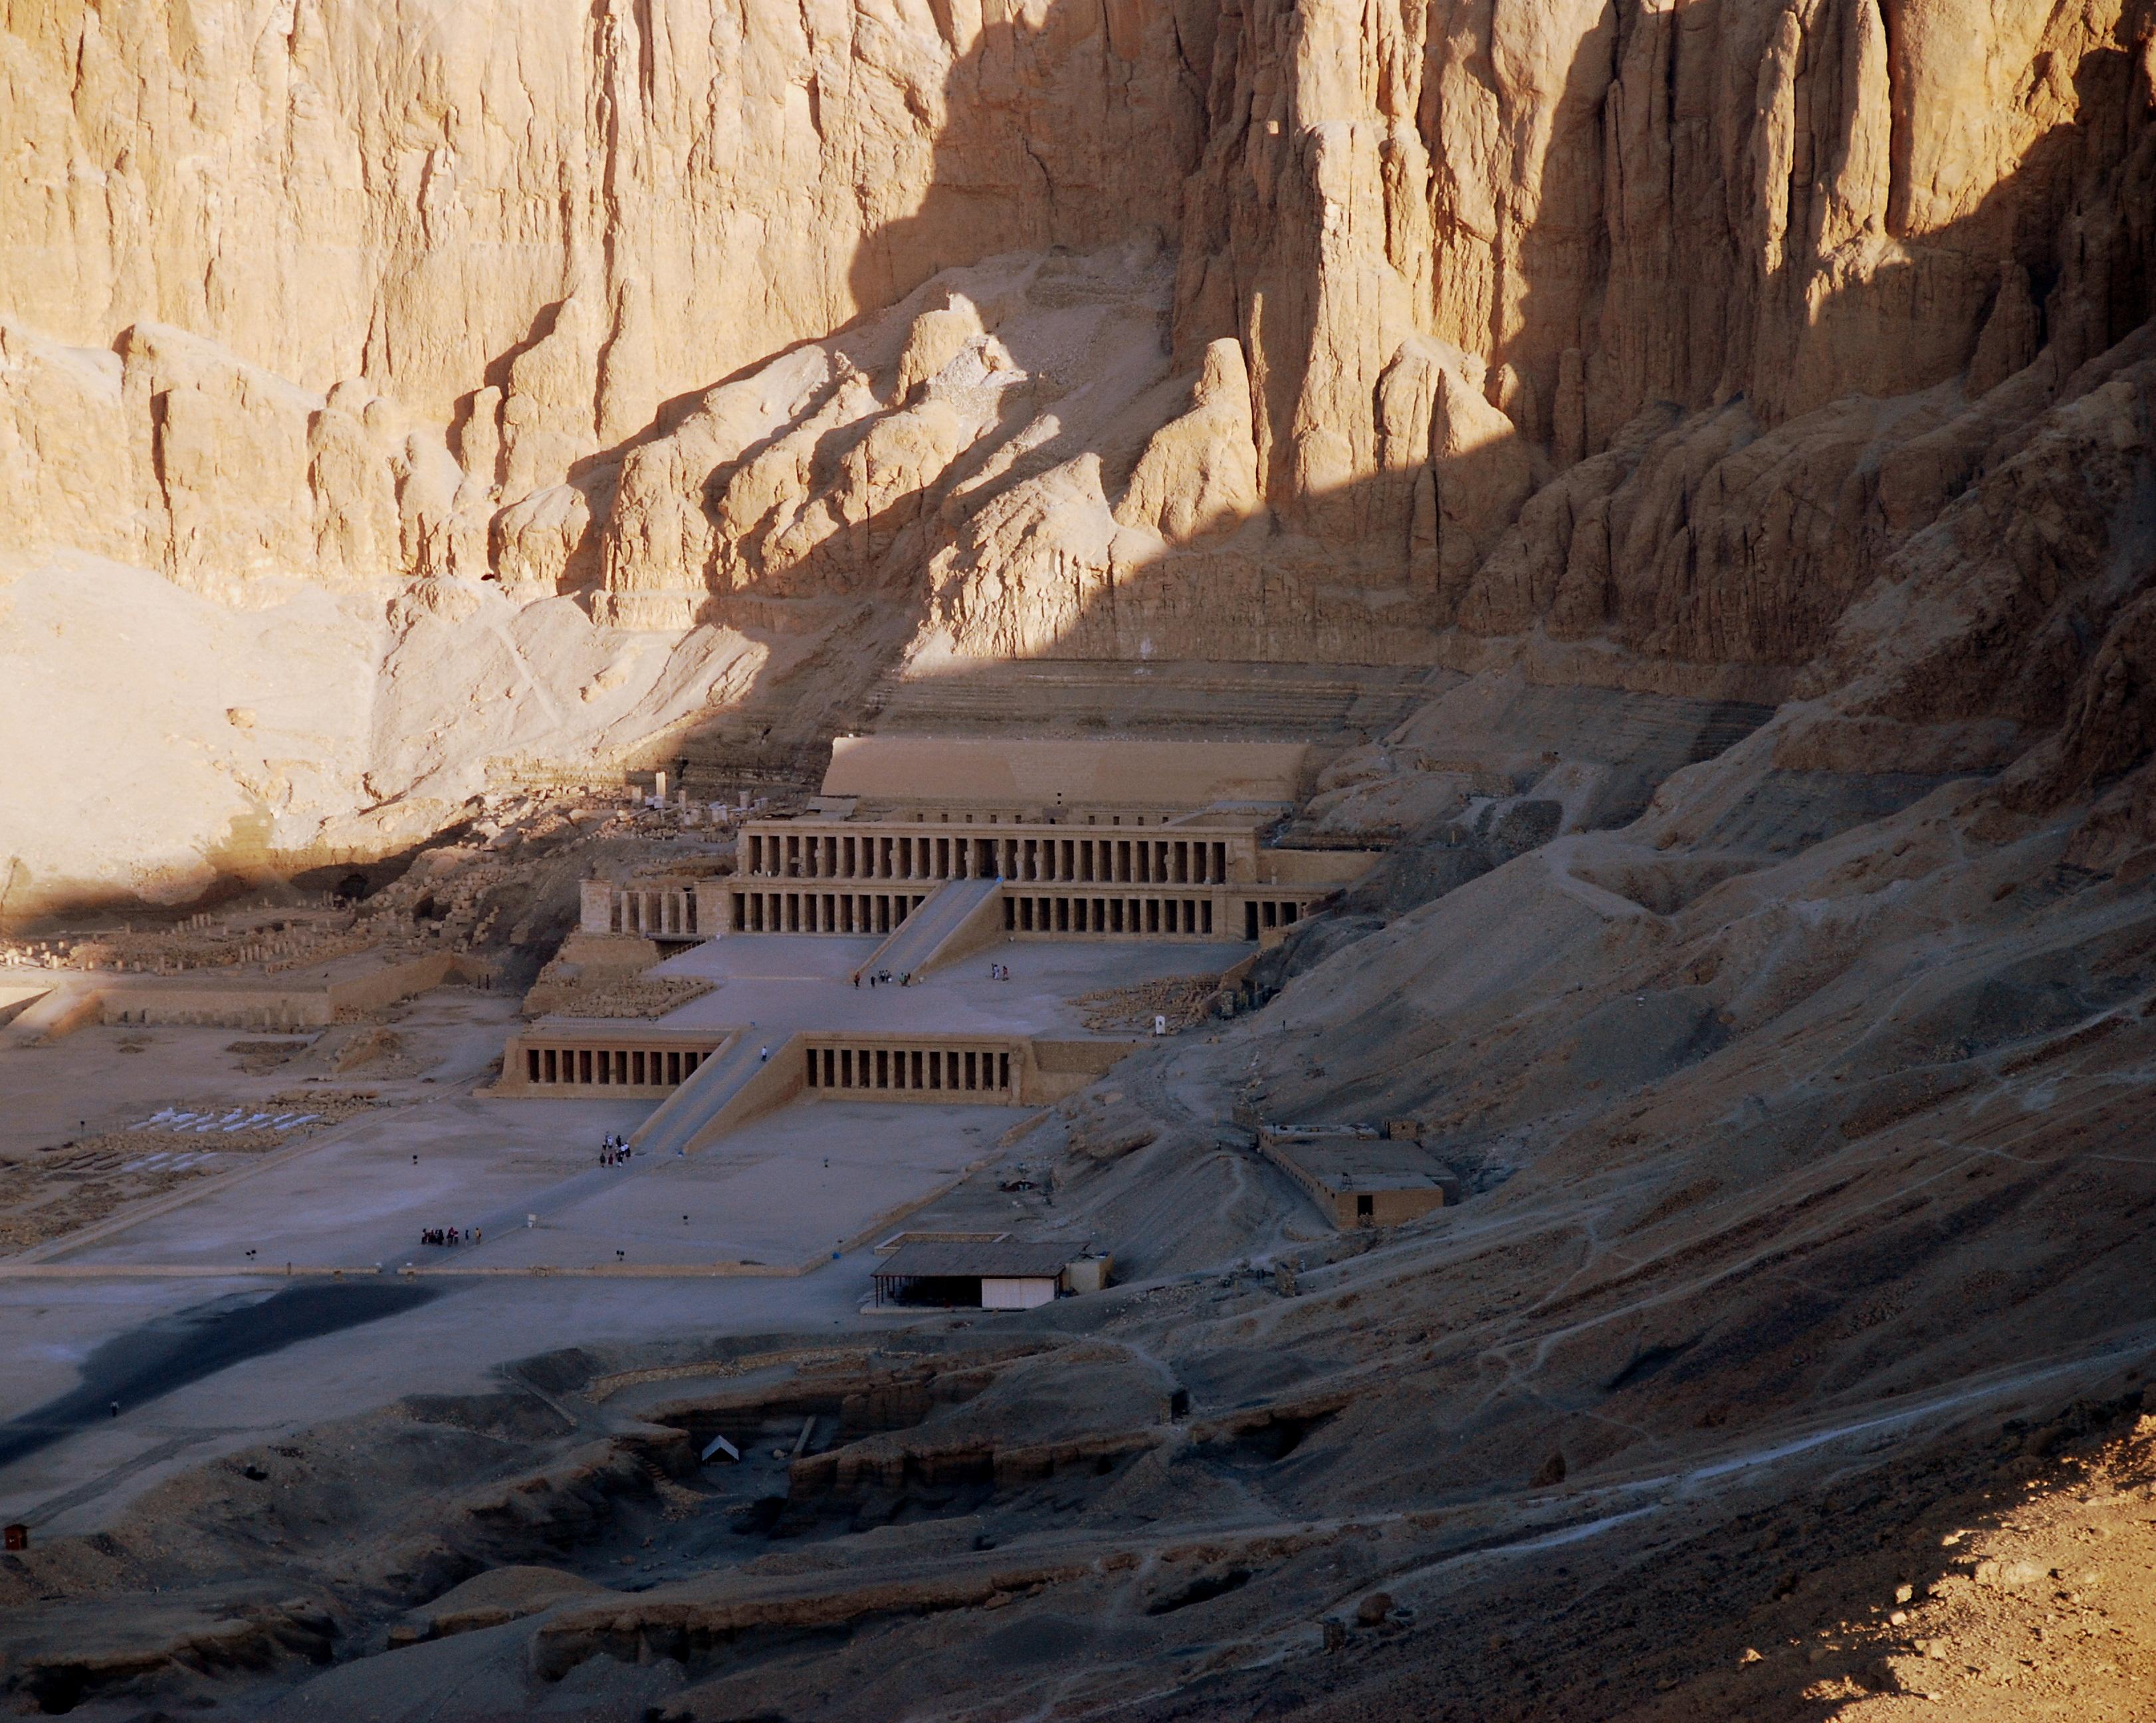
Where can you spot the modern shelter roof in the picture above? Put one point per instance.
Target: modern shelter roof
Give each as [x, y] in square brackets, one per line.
[1009, 1259]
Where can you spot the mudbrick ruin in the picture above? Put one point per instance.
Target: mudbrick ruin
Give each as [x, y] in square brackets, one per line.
[1164, 860]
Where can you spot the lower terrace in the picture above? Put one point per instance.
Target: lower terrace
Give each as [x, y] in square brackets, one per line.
[787, 982]
[1005, 1025]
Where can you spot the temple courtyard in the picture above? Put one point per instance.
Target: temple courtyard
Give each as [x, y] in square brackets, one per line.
[774, 1224]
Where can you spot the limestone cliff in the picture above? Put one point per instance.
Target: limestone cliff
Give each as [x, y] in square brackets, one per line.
[1631, 342]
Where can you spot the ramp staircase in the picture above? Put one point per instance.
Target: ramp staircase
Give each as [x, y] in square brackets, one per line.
[716, 1082]
[951, 922]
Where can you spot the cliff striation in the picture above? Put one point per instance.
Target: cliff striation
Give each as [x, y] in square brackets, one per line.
[1631, 343]
[1695, 460]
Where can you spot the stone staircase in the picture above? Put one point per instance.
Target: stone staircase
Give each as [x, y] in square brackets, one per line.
[679, 1119]
[919, 943]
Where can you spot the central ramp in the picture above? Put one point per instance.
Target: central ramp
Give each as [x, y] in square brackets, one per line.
[962, 915]
[709, 1088]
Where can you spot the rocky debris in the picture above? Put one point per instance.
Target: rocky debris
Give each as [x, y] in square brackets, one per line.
[87, 1653]
[2045, 1606]
[1374, 1610]
[1769, 927]
[594, 977]
[487, 1599]
[689, 1630]
[59, 1188]
[499, 892]
[602, 975]
[561, 991]
[380, 1051]
[1185, 1001]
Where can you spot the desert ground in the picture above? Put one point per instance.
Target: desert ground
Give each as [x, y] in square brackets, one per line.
[1224, 859]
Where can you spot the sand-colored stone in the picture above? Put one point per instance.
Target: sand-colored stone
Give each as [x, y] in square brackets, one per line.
[1286, 334]
[1199, 472]
[1737, 417]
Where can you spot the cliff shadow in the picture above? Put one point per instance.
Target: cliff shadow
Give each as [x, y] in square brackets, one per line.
[1356, 572]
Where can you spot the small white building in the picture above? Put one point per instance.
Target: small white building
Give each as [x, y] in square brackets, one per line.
[1006, 1274]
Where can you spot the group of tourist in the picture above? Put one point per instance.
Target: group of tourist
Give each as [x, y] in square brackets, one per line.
[614, 1150]
[881, 977]
[449, 1235]
[999, 972]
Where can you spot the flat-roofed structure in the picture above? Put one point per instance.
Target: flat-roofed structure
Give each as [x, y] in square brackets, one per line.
[1143, 839]
[1135, 839]
[1006, 1274]
[1212, 879]
[1096, 781]
[671, 911]
[603, 1058]
[1358, 1178]
[1154, 843]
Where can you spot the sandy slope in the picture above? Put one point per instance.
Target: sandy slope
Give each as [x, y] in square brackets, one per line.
[157, 741]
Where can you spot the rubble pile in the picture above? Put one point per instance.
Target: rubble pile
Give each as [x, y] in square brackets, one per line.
[1185, 1000]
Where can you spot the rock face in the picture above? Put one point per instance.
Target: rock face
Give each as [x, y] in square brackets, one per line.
[1638, 340]
[1735, 420]
[603, 203]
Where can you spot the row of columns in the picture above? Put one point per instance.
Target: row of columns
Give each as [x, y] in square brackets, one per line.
[755, 911]
[759, 911]
[1072, 913]
[986, 1072]
[1115, 861]
[859, 855]
[627, 1067]
[1269, 913]
[934, 856]
[668, 913]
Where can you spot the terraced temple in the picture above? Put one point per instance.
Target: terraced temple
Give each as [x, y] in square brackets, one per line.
[1098, 861]
[920, 894]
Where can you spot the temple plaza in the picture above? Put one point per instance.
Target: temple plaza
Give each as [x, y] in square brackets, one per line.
[917, 931]
[890, 978]
[798, 1047]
